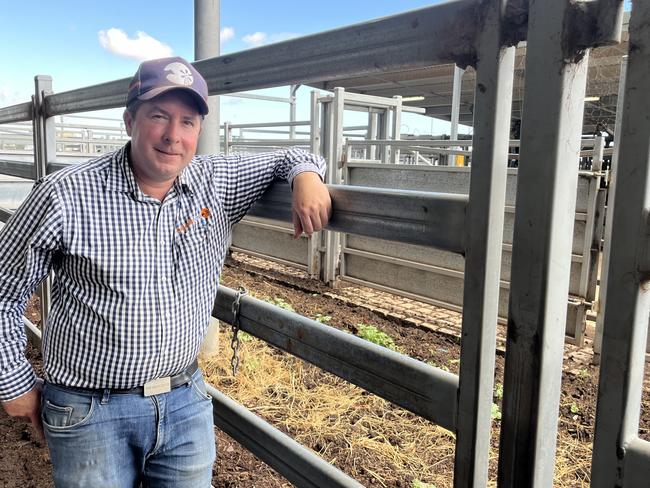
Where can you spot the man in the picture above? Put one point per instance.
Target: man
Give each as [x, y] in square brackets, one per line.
[137, 240]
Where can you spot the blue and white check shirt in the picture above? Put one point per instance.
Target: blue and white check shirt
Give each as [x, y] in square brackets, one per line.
[134, 279]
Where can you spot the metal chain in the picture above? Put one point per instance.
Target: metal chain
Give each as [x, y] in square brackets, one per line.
[235, 330]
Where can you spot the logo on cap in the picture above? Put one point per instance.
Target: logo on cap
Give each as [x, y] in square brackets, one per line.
[179, 74]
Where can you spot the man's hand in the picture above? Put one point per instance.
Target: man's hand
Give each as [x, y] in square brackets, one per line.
[312, 206]
[28, 407]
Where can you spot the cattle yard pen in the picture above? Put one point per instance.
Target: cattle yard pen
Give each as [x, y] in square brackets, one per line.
[465, 221]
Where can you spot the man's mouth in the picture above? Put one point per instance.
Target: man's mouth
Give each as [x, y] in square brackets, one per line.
[166, 153]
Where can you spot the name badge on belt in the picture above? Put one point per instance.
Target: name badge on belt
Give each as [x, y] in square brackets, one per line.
[157, 386]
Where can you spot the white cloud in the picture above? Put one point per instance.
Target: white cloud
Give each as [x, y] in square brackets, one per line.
[256, 39]
[9, 96]
[282, 36]
[227, 33]
[261, 38]
[140, 48]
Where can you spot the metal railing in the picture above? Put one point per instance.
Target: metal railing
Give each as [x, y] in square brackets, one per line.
[620, 456]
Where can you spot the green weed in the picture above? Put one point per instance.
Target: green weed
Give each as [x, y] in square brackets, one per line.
[279, 302]
[372, 334]
[422, 484]
[323, 319]
[496, 412]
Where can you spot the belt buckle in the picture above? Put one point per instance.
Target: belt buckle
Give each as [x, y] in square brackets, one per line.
[158, 386]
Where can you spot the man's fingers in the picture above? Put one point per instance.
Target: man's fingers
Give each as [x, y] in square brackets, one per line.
[297, 225]
[307, 224]
[36, 422]
[325, 216]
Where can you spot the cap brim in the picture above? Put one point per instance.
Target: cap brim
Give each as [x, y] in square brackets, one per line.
[154, 92]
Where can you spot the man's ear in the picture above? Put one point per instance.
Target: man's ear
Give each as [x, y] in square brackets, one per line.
[128, 121]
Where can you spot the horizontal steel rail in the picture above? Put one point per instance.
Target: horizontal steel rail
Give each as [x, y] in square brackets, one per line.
[17, 168]
[5, 214]
[95, 97]
[269, 142]
[413, 39]
[16, 113]
[429, 219]
[422, 389]
[295, 462]
[409, 142]
[255, 125]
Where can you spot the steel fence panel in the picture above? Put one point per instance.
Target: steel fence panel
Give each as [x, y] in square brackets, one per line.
[302, 467]
[556, 76]
[625, 324]
[427, 391]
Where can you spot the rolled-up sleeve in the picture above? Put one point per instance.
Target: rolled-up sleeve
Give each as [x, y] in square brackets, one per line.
[248, 177]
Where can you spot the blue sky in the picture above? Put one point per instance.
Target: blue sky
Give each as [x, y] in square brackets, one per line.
[85, 43]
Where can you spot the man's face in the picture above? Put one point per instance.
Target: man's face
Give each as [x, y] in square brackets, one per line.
[164, 134]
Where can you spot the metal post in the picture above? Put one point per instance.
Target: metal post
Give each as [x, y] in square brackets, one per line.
[226, 138]
[372, 134]
[455, 109]
[590, 249]
[313, 250]
[493, 106]
[44, 133]
[397, 128]
[382, 131]
[541, 255]
[335, 153]
[207, 45]
[293, 89]
[598, 339]
[628, 301]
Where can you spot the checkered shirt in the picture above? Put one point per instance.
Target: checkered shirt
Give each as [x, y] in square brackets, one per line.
[134, 278]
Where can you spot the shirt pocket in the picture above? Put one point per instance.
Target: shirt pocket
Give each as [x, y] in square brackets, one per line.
[195, 236]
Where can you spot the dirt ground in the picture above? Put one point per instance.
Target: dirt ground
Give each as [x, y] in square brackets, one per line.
[24, 461]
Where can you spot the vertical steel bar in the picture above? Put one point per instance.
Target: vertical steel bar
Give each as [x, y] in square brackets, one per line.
[598, 339]
[313, 249]
[207, 15]
[372, 134]
[226, 138]
[588, 254]
[455, 108]
[44, 133]
[382, 129]
[397, 128]
[493, 105]
[335, 133]
[628, 300]
[541, 257]
[314, 127]
[292, 110]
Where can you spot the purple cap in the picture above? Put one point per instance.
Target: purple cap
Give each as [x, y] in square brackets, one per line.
[158, 76]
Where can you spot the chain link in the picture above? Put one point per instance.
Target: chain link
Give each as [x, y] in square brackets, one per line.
[235, 330]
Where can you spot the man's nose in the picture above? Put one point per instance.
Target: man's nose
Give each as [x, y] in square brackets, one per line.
[172, 132]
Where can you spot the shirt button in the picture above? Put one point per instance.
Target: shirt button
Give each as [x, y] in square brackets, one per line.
[168, 315]
[163, 278]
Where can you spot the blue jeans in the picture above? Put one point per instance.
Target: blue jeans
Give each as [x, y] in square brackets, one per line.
[98, 439]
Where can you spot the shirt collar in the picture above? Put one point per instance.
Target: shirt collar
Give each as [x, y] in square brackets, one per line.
[121, 178]
[186, 180]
